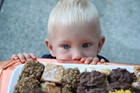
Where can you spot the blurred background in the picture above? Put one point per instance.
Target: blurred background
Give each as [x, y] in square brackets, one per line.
[23, 28]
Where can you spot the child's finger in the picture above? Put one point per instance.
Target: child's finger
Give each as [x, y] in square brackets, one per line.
[15, 57]
[88, 60]
[102, 60]
[33, 56]
[82, 60]
[21, 57]
[94, 61]
[27, 56]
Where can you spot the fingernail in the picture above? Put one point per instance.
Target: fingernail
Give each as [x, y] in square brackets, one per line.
[28, 59]
[16, 58]
[23, 60]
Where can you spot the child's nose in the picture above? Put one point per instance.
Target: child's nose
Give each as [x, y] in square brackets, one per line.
[76, 55]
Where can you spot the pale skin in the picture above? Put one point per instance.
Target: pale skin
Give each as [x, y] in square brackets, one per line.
[79, 43]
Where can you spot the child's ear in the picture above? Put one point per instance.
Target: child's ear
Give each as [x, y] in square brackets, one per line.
[50, 47]
[100, 44]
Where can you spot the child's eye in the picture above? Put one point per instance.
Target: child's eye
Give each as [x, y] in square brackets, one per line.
[86, 45]
[66, 46]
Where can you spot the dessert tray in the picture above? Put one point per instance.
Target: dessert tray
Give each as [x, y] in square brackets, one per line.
[81, 67]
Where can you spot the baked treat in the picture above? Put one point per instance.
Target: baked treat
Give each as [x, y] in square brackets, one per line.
[137, 72]
[136, 84]
[34, 90]
[32, 69]
[29, 77]
[70, 79]
[25, 84]
[121, 75]
[91, 80]
[49, 87]
[106, 71]
[98, 90]
[52, 73]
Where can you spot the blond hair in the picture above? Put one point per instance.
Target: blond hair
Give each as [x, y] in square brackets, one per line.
[73, 13]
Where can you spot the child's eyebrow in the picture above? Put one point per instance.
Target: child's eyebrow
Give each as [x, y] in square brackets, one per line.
[64, 41]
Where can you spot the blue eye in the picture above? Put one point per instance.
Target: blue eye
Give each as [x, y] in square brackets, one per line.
[86, 45]
[66, 46]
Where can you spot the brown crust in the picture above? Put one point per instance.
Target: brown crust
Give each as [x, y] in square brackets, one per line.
[70, 79]
[52, 73]
[29, 77]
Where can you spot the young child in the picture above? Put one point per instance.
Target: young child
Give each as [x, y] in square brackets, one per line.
[74, 33]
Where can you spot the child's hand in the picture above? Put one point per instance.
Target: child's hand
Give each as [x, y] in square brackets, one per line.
[23, 57]
[91, 60]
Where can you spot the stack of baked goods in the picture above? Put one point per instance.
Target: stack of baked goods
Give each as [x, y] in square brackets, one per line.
[55, 78]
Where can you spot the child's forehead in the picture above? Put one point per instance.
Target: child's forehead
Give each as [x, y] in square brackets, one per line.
[78, 27]
[68, 31]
